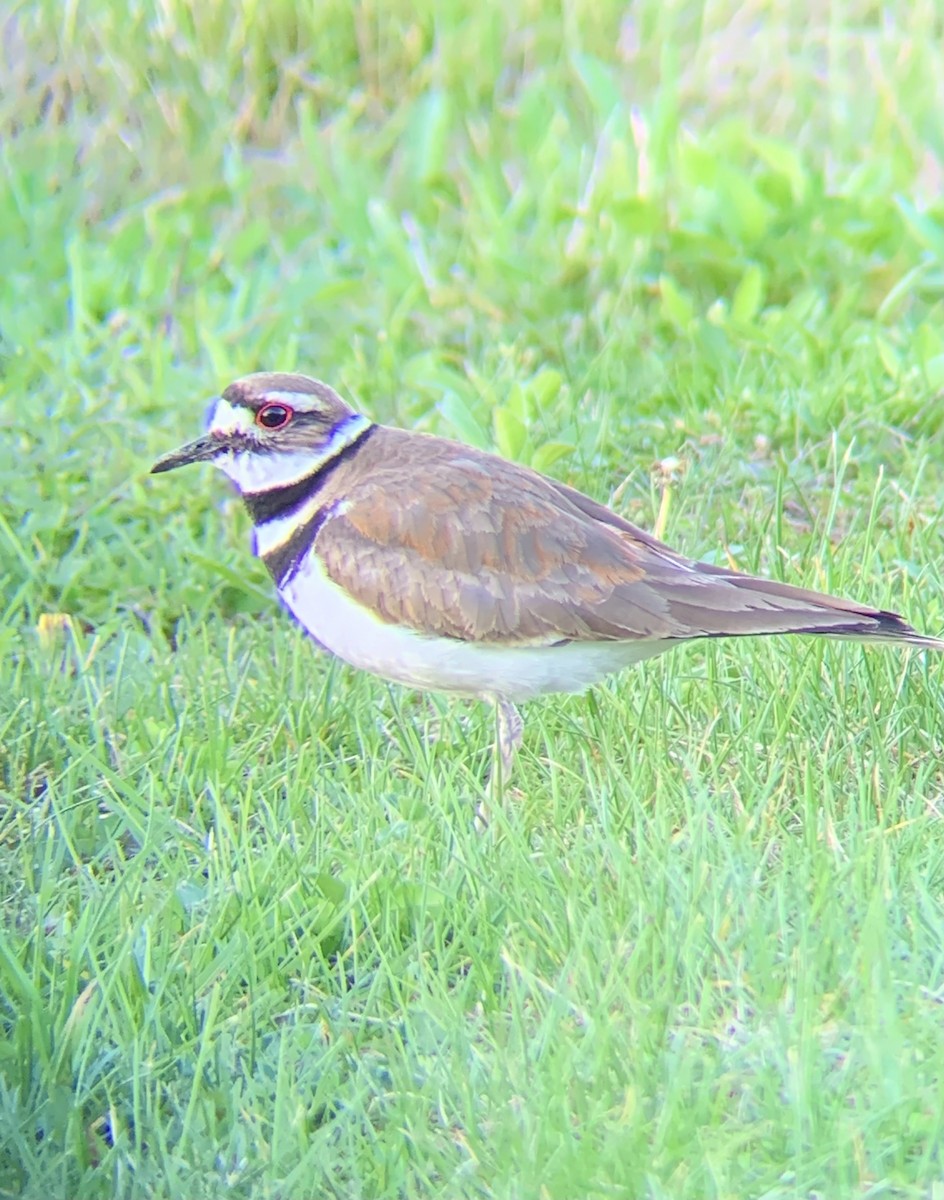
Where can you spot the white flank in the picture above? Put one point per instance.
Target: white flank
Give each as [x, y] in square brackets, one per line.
[259, 471]
[361, 638]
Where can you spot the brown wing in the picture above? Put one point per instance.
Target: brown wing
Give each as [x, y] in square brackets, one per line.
[446, 539]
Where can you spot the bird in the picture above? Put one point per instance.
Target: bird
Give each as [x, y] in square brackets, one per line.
[441, 566]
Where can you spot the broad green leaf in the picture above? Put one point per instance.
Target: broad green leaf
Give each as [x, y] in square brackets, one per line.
[904, 289]
[742, 209]
[700, 165]
[785, 160]
[457, 413]
[933, 371]
[677, 306]
[331, 887]
[545, 387]
[428, 136]
[547, 455]
[517, 401]
[891, 359]
[748, 295]
[511, 433]
[637, 215]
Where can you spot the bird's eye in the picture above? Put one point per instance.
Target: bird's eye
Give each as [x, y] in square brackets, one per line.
[274, 416]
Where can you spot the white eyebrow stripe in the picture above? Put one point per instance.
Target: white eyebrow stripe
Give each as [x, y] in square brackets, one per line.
[299, 401]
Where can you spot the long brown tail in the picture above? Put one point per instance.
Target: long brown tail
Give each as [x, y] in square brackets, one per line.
[667, 595]
[766, 606]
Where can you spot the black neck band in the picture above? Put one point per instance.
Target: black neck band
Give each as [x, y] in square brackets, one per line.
[280, 501]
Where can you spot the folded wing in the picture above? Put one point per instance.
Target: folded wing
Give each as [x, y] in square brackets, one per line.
[482, 550]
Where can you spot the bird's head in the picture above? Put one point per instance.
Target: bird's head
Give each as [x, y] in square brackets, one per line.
[269, 430]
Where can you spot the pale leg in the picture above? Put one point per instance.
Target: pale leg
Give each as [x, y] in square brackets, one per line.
[509, 726]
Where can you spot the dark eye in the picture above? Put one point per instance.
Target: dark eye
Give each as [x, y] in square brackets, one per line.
[273, 416]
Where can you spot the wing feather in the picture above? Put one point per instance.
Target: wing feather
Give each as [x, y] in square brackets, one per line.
[451, 541]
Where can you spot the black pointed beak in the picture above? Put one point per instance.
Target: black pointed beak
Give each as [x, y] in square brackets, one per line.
[202, 450]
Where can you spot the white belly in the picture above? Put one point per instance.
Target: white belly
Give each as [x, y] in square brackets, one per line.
[355, 634]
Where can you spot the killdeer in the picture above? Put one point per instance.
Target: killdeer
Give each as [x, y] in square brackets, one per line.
[440, 566]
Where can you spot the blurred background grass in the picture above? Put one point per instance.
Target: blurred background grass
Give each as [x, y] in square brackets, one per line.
[690, 256]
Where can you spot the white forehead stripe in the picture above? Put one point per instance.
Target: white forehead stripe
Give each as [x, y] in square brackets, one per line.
[228, 419]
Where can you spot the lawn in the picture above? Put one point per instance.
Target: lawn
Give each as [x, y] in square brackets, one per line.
[253, 941]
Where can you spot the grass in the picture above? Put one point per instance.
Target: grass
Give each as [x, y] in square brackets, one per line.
[688, 257]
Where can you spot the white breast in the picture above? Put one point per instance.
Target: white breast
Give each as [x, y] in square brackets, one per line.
[357, 635]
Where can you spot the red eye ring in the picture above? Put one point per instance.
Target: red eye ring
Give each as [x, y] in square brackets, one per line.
[274, 415]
